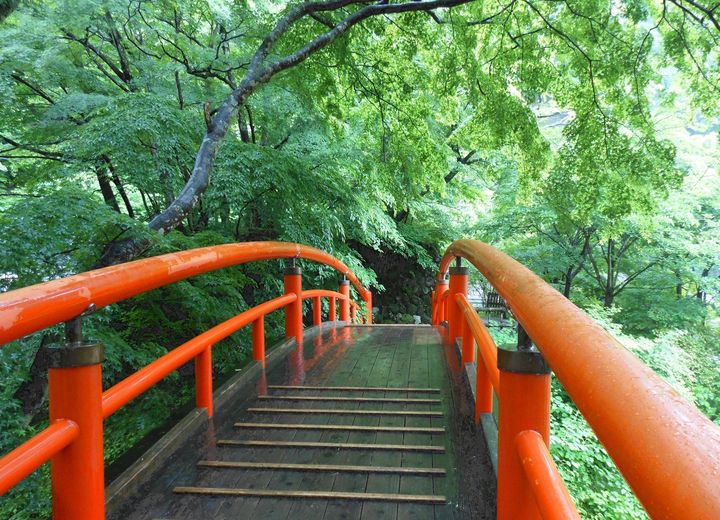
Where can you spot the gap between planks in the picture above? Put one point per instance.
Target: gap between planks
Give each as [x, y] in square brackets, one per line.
[323, 495]
[348, 399]
[339, 427]
[331, 445]
[335, 468]
[345, 412]
[355, 388]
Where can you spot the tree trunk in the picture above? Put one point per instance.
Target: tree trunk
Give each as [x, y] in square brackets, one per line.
[106, 189]
[123, 194]
[567, 286]
[242, 126]
[32, 393]
[119, 186]
[611, 275]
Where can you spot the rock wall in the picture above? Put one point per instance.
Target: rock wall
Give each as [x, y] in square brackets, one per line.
[408, 286]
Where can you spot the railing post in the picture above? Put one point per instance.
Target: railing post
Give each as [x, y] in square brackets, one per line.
[345, 302]
[204, 381]
[524, 405]
[458, 285]
[331, 313]
[483, 387]
[317, 310]
[468, 341]
[440, 287]
[258, 339]
[432, 307]
[368, 307]
[75, 393]
[293, 311]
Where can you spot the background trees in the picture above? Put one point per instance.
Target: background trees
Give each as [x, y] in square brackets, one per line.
[581, 137]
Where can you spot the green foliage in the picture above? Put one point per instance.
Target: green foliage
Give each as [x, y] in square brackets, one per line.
[688, 361]
[29, 499]
[594, 483]
[7, 7]
[577, 137]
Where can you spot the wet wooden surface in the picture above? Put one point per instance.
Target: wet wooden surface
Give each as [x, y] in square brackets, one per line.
[360, 357]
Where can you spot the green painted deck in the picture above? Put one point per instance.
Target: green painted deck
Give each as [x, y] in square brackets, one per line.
[418, 448]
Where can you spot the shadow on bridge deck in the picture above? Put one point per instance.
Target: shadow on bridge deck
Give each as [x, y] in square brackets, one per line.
[278, 436]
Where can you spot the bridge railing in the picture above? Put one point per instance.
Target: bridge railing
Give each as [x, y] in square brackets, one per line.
[73, 441]
[667, 451]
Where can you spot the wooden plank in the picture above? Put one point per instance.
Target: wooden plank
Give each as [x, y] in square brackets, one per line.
[342, 366]
[439, 375]
[350, 368]
[349, 399]
[377, 378]
[331, 445]
[385, 482]
[329, 495]
[302, 426]
[226, 464]
[322, 411]
[418, 373]
[147, 466]
[370, 356]
[357, 389]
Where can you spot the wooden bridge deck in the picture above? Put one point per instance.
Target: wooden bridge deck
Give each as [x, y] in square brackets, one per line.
[325, 433]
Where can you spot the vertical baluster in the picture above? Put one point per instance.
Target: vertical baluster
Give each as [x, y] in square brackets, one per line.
[75, 393]
[524, 405]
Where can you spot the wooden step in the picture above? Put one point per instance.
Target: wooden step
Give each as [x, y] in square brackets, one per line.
[345, 412]
[354, 388]
[321, 495]
[338, 427]
[349, 399]
[331, 445]
[334, 468]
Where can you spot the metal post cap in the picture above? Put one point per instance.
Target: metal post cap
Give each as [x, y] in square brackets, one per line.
[293, 270]
[458, 270]
[522, 361]
[74, 355]
[441, 282]
[344, 282]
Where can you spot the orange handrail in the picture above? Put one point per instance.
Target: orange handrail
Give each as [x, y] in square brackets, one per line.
[34, 308]
[322, 293]
[34, 452]
[486, 345]
[77, 403]
[442, 301]
[549, 491]
[132, 386]
[651, 433]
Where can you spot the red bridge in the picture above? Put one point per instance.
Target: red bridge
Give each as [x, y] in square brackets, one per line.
[347, 419]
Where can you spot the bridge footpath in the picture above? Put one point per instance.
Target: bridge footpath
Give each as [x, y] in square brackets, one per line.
[354, 420]
[360, 422]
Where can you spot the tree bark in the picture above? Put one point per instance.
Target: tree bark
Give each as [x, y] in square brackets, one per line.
[123, 194]
[118, 185]
[106, 188]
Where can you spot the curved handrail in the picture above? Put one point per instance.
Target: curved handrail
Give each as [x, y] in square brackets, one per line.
[323, 293]
[27, 310]
[486, 345]
[439, 303]
[548, 488]
[132, 386]
[650, 432]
